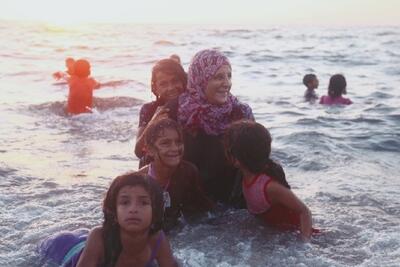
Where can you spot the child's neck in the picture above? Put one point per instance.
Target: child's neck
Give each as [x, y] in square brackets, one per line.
[134, 242]
[247, 175]
[163, 173]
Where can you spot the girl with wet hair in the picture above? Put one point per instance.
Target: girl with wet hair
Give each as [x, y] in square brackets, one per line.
[179, 179]
[267, 193]
[131, 233]
[168, 81]
[336, 88]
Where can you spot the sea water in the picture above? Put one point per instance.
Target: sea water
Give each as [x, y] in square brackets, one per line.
[343, 162]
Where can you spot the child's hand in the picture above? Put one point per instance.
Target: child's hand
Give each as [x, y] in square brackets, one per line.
[161, 113]
[57, 75]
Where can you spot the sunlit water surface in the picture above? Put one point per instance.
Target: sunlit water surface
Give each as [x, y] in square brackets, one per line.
[342, 161]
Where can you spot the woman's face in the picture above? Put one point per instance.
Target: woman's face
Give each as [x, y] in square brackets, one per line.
[219, 85]
[167, 86]
[134, 211]
[168, 148]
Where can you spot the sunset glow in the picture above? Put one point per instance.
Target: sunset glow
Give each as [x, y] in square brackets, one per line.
[306, 12]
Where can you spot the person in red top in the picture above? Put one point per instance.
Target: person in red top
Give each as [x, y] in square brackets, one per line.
[81, 86]
[267, 193]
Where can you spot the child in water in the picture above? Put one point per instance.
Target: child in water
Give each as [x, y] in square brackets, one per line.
[131, 233]
[81, 86]
[69, 64]
[336, 88]
[179, 179]
[168, 81]
[267, 193]
[311, 82]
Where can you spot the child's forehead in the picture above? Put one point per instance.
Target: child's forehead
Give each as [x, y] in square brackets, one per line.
[167, 132]
[133, 190]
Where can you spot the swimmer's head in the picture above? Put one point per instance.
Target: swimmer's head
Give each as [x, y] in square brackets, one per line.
[82, 68]
[168, 79]
[337, 85]
[310, 81]
[249, 143]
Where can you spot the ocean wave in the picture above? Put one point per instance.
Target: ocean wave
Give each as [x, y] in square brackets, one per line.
[377, 142]
[381, 95]
[100, 104]
[164, 43]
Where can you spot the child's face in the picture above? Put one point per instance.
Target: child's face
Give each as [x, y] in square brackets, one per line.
[167, 86]
[134, 211]
[314, 83]
[168, 148]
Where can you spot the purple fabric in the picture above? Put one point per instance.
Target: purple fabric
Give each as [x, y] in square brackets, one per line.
[195, 112]
[328, 100]
[55, 247]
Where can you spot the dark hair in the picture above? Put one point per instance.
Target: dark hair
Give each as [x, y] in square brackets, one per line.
[154, 130]
[250, 143]
[308, 78]
[82, 68]
[337, 85]
[169, 66]
[111, 229]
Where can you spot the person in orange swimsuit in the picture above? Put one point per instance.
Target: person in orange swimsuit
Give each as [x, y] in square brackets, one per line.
[81, 86]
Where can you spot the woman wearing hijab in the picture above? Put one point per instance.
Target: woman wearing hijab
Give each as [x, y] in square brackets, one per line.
[205, 111]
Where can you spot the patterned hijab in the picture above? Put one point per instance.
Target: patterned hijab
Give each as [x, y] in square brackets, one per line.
[195, 112]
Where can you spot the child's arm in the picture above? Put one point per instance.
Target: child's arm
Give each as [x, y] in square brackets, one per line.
[93, 252]
[279, 194]
[59, 75]
[165, 258]
[196, 200]
[95, 84]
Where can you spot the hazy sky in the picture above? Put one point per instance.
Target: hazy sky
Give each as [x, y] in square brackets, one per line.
[274, 12]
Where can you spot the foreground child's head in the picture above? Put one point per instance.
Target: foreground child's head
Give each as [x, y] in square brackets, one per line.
[168, 79]
[249, 143]
[146, 188]
[164, 142]
[310, 81]
[337, 85]
[133, 203]
[82, 68]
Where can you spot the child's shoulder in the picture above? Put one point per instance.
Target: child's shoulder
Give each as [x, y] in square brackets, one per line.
[144, 169]
[187, 168]
[96, 233]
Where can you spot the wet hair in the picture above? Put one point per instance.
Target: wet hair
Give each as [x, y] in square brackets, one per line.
[111, 229]
[82, 68]
[249, 142]
[69, 60]
[308, 78]
[337, 85]
[175, 57]
[169, 66]
[156, 129]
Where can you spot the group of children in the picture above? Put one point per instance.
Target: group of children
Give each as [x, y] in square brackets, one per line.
[336, 88]
[140, 206]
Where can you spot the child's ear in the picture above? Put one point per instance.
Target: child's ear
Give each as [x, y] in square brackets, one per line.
[150, 150]
[236, 163]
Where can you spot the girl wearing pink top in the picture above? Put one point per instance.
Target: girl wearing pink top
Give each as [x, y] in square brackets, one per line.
[336, 88]
[267, 193]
